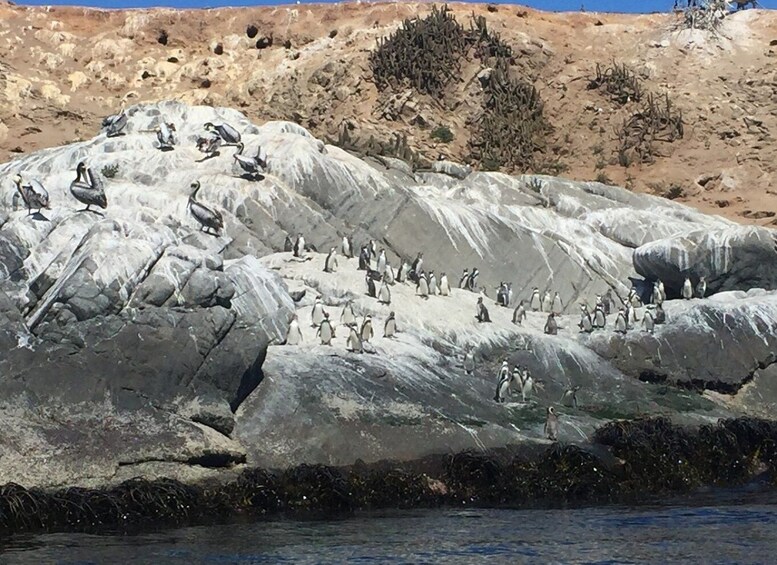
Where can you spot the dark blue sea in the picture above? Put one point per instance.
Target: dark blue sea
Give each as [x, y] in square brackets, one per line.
[741, 528]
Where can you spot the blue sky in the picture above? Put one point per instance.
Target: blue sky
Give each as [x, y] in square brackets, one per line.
[557, 5]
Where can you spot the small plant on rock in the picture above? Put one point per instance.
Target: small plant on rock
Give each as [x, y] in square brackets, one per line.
[442, 133]
[110, 171]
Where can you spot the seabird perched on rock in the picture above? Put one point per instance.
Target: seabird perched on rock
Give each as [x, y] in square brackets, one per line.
[687, 289]
[225, 131]
[209, 218]
[551, 326]
[114, 125]
[482, 313]
[88, 188]
[701, 288]
[33, 194]
[254, 166]
[551, 425]
[164, 134]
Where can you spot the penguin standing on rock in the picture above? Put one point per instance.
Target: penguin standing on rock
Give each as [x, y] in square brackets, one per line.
[373, 249]
[382, 262]
[384, 296]
[402, 273]
[464, 279]
[469, 363]
[366, 331]
[660, 316]
[317, 315]
[503, 381]
[482, 314]
[547, 301]
[551, 425]
[527, 385]
[330, 263]
[701, 288]
[647, 321]
[687, 289]
[551, 326]
[556, 306]
[422, 287]
[600, 318]
[472, 282]
[347, 247]
[354, 343]
[364, 259]
[372, 292]
[519, 314]
[620, 322]
[535, 303]
[657, 297]
[445, 287]
[388, 275]
[326, 331]
[433, 290]
[586, 324]
[347, 317]
[416, 268]
[288, 245]
[569, 398]
[390, 327]
[299, 246]
[294, 335]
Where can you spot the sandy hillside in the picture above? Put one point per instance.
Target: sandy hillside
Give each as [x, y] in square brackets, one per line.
[63, 69]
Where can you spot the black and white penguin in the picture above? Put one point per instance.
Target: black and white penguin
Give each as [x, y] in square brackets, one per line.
[366, 332]
[433, 290]
[647, 321]
[288, 245]
[701, 288]
[445, 287]
[527, 385]
[326, 331]
[422, 286]
[330, 263]
[551, 425]
[384, 295]
[656, 297]
[519, 314]
[404, 269]
[294, 335]
[551, 326]
[472, 283]
[569, 398]
[469, 362]
[620, 322]
[388, 274]
[354, 341]
[687, 289]
[556, 306]
[509, 293]
[586, 324]
[607, 302]
[464, 279]
[373, 249]
[631, 315]
[346, 247]
[662, 290]
[547, 300]
[390, 327]
[299, 246]
[364, 259]
[482, 313]
[381, 268]
[501, 295]
[372, 292]
[503, 381]
[317, 315]
[347, 316]
[535, 302]
[600, 318]
[416, 268]
[659, 317]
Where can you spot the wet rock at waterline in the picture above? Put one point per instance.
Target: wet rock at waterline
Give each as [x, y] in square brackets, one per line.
[133, 343]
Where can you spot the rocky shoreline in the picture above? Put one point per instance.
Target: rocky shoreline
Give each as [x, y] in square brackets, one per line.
[627, 461]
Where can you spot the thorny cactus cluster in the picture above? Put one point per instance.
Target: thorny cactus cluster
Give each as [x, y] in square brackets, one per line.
[427, 53]
[657, 121]
[618, 82]
[373, 147]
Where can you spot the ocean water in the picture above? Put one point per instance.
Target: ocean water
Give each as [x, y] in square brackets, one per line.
[740, 529]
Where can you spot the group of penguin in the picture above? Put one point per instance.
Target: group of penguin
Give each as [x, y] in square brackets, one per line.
[89, 188]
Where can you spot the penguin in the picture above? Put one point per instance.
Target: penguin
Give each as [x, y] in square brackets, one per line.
[662, 290]
[464, 278]
[660, 316]
[469, 363]
[633, 298]
[317, 315]
[503, 381]
[600, 318]
[330, 263]
[482, 315]
[551, 425]
[546, 301]
[527, 385]
[326, 331]
[373, 249]
[294, 335]
[384, 296]
[388, 275]
[607, 302]
[422, 287]
[551, 326]
[472, 282]
[346, 247]
[445, 287]
[701, 288]
[364, 259]
[687, 289]
[519, 314]
[390, 327]
[299, 246]
[372, 292]
[509, 293]
[569, 398]
[535, 303]
[501, 295]
[382, 262]
[586, 324]
[366, 332]
[647, 321]
[354, 342]
[347, 317]
[620, 322]
[416, 268]
[631, 315]
[556, 306]
[656, 297]
[288, 245]
[433, 290]
[403, 270]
